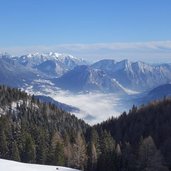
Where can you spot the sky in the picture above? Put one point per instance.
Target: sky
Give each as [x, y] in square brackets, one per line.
[91, 29]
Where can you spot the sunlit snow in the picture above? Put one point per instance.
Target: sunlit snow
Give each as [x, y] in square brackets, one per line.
[7, 165]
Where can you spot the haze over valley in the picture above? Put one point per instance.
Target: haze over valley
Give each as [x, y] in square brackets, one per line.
[97, 90]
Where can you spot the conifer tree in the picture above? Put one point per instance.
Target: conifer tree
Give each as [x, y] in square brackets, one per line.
[80, 154]
[15, 153]
[29, 150]
[58, 158]
[150, 159]
[3, 144]
[92, 157]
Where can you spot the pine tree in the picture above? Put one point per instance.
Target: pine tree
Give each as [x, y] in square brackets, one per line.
[92, 157]
[80, 154]
[29, 150]
[150, 159]
[128, 158]
[3, 144]
[58, 158]
[41, 152]
[106, 160]
[15, 153]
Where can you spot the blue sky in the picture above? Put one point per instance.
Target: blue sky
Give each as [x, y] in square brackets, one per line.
[90, 26]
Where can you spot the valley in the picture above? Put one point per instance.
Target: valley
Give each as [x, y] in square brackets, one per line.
[98, 91]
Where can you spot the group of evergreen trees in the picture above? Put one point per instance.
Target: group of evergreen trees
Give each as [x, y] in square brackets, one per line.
[106, 154]
[142, 133]
[35, 132]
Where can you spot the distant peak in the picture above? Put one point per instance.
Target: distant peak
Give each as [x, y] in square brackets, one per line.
[5, 54]
[30, 55]
[55, 54]
[125, 61]
[51, 55]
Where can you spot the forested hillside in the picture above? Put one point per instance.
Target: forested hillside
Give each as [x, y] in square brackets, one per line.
[143, 136]
[36, 132]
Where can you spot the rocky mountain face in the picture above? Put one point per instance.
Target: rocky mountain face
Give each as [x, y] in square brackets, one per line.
[14, 74]
[53, 64]
[136, 75]
[85, 78]
[74, 74]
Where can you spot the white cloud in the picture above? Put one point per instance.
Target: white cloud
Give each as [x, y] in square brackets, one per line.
[95, 107]
[158, 51]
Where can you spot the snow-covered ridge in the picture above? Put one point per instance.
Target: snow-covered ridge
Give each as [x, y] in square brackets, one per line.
[37, 58]
[7, 165]
[131, 76]
[52, 63]
[137, 76]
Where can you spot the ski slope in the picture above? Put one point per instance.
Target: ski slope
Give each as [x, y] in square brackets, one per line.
[7, 165]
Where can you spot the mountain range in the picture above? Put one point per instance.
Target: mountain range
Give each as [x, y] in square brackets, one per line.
[49, 72]
[86, 78]
[52, 64]
[68, 72]
[136, 75]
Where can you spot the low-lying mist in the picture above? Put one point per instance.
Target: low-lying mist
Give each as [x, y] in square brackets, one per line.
[94, 107]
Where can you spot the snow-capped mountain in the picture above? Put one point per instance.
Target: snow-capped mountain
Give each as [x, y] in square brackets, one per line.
[136, 75]
[67, 72]
[14, 74]
[53, 64]
[52, 74]
[85, 78]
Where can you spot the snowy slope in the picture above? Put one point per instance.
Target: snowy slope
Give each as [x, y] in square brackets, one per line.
[7, 165]
[14, 74]
[136, 75]
[50, 63]
[85, 78]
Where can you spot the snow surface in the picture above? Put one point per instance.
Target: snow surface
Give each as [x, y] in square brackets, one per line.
[128, 91]
[7, 165]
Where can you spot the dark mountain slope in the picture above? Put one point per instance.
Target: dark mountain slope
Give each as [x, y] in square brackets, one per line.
[152, 120]
[158, 93]
[59, 105]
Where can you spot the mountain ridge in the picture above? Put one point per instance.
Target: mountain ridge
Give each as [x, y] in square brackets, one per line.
[105, 75]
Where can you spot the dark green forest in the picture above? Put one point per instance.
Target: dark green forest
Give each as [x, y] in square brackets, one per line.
[36, 132]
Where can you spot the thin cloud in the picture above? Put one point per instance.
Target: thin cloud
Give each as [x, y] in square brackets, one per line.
[145, 51]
